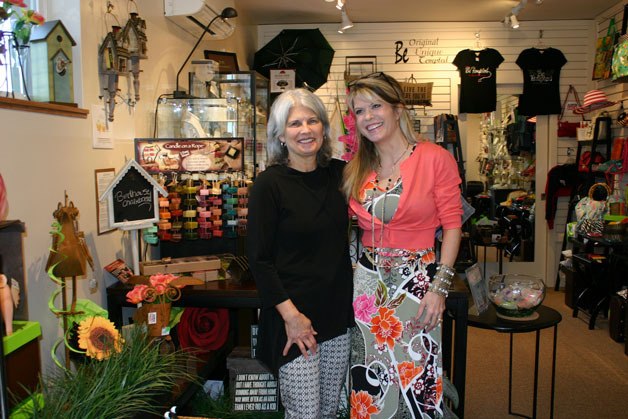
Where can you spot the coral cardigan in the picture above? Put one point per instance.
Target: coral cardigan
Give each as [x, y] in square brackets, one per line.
[430, 198]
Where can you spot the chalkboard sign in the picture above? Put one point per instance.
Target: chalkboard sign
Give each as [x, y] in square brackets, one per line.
[133, 198]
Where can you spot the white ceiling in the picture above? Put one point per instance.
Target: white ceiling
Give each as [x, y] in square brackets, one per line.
[262, 12]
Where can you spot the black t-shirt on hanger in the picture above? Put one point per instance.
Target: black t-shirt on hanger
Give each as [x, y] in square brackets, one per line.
[541, 81]
[478, 86]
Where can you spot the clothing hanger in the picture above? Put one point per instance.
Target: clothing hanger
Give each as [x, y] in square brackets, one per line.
[477, 45]
[540, 44]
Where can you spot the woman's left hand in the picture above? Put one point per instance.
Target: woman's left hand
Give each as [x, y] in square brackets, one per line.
[432, 308]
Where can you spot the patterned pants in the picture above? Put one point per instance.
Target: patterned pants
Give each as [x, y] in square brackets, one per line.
[310, 388]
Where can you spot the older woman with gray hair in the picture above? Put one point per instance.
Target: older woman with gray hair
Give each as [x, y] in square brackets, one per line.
[297, 245]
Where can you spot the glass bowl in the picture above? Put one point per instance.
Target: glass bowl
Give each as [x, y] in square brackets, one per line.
[516, 295]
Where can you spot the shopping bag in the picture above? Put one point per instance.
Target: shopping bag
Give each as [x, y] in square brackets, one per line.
[619, 63]
[604, 53]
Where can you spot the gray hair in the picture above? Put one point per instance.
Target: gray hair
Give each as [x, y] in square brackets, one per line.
[278, 118]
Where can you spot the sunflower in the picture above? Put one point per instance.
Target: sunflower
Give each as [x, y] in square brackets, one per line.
[99, 337]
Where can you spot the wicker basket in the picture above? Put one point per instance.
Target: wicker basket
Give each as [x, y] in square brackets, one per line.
[417, 93]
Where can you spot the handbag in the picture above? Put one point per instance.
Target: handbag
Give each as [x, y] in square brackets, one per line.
[416, 93]
[566, 128]
[591, 209]
[585, 164]
[604, 53]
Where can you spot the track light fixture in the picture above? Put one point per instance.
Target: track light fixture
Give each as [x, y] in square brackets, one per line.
[514, 22]
[510, 20]
[346, 22]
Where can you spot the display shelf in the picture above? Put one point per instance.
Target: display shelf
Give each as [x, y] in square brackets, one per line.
[23, 332]
[237, 108]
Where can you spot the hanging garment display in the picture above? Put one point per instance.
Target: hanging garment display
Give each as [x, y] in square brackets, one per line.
[478, 92]
[541, 81]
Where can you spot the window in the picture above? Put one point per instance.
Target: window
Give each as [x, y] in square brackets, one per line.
[12, 65]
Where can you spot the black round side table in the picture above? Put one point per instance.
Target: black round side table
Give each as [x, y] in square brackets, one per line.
[547, 317]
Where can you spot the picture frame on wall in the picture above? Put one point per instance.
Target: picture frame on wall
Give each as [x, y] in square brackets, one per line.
[227, 61]
[103, 178]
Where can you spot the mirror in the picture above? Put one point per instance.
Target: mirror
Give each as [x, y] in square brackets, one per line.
[500, 151]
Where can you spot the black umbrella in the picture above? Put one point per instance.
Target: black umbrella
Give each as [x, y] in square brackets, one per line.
[304, 50]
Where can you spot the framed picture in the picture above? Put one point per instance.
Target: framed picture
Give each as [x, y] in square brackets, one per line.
[478, 287]
[157, 155]
[228, 61]
[282, 80]
[103, 177]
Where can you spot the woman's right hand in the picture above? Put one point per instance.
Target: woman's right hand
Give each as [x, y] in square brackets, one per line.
[299, 331]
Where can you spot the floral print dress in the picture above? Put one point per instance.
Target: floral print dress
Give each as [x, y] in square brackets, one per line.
[396, 369]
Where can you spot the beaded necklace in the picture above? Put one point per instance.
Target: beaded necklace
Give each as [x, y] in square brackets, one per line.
[385, 193]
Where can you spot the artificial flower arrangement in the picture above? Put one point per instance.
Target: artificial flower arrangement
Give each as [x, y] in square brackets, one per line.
[161, 288]
[26, 18]
[153, 300]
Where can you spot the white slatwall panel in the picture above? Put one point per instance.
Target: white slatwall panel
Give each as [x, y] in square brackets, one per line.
[573, 38]
[567, 148]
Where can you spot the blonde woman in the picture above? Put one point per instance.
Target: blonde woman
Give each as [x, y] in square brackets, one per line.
[401, 191]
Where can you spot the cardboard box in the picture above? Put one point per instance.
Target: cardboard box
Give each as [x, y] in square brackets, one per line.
[180, 265]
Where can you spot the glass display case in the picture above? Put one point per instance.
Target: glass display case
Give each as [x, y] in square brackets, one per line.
[230, 105]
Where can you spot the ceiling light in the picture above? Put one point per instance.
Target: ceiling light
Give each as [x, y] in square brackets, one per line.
[340, 4]
[346, 22]
[514, 23]
[537, 1]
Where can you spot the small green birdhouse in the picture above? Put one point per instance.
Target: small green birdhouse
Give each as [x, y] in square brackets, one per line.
[51, 57]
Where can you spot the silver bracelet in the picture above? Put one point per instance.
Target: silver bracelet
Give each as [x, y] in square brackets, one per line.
[447, 270]
[439, 290]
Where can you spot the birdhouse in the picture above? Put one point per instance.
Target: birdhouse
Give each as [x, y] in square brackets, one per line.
[113, 54]
[113, 59]
[134, 34]
[51, 55]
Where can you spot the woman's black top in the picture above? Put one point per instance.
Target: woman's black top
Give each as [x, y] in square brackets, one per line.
[298, 249]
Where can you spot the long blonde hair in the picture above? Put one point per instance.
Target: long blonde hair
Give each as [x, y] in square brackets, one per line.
[378, 86]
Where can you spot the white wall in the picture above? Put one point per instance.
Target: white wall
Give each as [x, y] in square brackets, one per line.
[44, 156]
[574, 38]
[566, 148]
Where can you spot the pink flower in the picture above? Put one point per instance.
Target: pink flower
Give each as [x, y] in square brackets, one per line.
[364, 307]
[18, 3]
[161, 281]
[350, 138]
[136, 295]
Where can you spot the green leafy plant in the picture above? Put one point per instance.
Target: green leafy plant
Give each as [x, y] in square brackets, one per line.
[138, 379]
